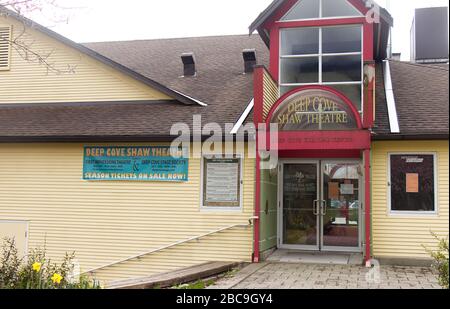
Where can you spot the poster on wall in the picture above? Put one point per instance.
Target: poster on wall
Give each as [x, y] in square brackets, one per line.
[347, 189]
[222, 182]
[152, 163]
[412, 183]
[333, 190]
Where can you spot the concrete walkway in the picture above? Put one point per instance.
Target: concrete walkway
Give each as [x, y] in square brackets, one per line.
[313, 276]
[293, 256]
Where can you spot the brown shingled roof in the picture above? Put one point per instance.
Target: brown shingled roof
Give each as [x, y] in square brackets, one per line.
[422, 100]
[99, 121]
[220, 82]
[421, 93]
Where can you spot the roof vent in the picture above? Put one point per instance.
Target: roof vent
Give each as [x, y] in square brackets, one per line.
[188, 64]
[5, 47]
[249, 60]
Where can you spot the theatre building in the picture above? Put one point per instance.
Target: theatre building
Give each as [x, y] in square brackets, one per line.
[340, 149]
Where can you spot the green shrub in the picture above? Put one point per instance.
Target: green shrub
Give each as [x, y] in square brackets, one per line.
[9, 265]
[440, 257]
[37, 271]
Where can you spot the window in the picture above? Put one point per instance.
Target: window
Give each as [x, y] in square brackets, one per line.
[338, 8]
[304, 9]
[301, 70]
[300, 41]
[315, 9]
[222, 182]
[330, 56]
[5, 47]
[412, 183]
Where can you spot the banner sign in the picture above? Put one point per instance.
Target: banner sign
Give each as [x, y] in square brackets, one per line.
[136, 163]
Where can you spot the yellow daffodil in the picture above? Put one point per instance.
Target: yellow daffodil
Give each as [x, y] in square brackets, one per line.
[37, 266]
[56, 278]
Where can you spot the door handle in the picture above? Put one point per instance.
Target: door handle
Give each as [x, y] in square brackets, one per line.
[316, 207]
[323, 207]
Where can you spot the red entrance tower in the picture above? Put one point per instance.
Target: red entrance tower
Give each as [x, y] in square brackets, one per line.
[318, 93]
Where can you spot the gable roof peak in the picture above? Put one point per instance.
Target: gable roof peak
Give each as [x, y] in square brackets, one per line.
[276, 4]
[107, 61]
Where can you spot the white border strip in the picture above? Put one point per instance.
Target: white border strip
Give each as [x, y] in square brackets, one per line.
[191, 98]
[244, 116]
[390, 98]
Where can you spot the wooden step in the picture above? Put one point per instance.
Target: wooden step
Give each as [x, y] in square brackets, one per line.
[172, 278]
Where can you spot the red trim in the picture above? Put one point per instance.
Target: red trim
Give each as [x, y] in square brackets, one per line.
[368, 111]
[368, 41]
[320, 87]
[368, 254]
[288, 4]
[320, 154]
[320, 22]
[322, 140]
[274, 53]
[258, 88]
[284, 8]
[359, 6]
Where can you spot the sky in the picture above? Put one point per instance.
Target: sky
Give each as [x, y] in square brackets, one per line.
[112, 20]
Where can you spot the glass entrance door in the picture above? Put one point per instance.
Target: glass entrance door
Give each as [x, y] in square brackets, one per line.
[299, 211]
[320, 205]
[340, 211]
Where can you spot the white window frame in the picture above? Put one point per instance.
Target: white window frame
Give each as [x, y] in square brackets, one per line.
[410, 213]
[320, 55]
[282, 20]
[234, 209]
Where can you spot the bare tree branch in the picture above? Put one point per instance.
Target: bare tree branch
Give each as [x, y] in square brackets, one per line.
[20, 43]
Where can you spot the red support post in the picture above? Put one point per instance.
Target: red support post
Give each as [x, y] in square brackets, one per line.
[256, 222]
[367, 203]
[258, 76]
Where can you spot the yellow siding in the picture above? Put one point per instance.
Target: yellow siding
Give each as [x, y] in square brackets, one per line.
[403, 236]
[107, 221]
[270, 95]
[31, 82]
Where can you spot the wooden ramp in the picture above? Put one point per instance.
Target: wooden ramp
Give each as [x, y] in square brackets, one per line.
[176, 277]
